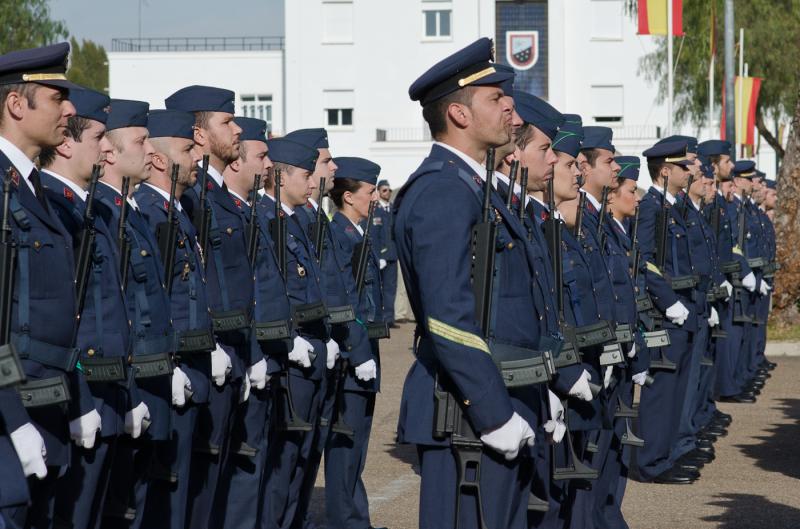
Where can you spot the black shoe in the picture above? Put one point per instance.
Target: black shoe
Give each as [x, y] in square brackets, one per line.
[704, 443]
[706, 449]
[688, 467]
[689, 459]
[741, 398]
[714, 430]
[699, 455]
[751, 390]
[722, 417]
[769, 365]
[674, 476]
[706, 437]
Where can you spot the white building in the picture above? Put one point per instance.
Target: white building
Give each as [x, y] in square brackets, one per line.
[347, 64]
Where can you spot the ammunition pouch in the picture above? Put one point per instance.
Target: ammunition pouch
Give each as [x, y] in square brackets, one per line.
[595, 334]
[567, 356]
[11, 371]
[270, 331]
[98, 370]
[706, 362]
[309, 312]
[197, 341]
[644, 303]
[230, 320]
[520, 366]
[153, 365]
[377, 330]
[731, 267]
[611, 355]
[757, 262]
[717, 332]
[684, 282]
[44, 392]
[344, 314]
[656, 339]
[624, 333]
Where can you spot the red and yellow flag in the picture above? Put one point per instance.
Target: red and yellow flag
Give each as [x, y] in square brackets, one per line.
[749, 88]
[653, 17]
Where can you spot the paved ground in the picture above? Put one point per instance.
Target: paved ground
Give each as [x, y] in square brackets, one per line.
[753, 484]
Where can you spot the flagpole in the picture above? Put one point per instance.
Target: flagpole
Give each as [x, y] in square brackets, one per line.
[711, 98]
[740, 113]
[670, 81]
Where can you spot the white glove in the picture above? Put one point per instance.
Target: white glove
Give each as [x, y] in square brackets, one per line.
[300, 351]
[510, 437]
[632, 352]
[555, 427]
[749, 282]
[333, 353]
[134, 420]
[729, 288]
[713, 320]
[639, 378]
[763, 288]
[220, 365]
[367, 371]
[181, 387]
[84, 429]
[30, 449]
[382, 263]
[607, 376]
[677, 313]
[581, 389]
[257, 374]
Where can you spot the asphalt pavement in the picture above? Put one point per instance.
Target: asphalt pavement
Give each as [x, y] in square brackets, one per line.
[754, 483]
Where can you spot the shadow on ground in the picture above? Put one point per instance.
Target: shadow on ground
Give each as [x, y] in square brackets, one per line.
[405, 453]
[748, 511]
[777, 450]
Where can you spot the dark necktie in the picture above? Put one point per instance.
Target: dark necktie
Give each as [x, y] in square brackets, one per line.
[38, 190]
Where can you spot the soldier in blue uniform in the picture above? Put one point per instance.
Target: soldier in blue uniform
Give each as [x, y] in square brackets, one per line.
[468, 114]
[387, 249]
[34, 89]
[237, 500]
[346, 500]
[296, 411]
[670, 283]
[230, 288]
[761, 262]
[171, 135]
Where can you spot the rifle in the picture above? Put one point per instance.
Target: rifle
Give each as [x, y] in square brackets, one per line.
[277, 227]
[122, 235]
[512, 180]
[742, 220]
[203, 220]
[360, 257]
[579, 215]
[523, 193]
[661, 233]
[86, 247]
[252, 233]
[687, 198]
[317, 230]
[635, 248]
[168, 234]
[11, 371]
[601, 234]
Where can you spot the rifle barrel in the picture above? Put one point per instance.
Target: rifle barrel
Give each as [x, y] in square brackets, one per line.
[512, 180]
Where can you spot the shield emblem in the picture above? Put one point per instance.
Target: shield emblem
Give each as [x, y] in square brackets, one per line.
[522, 49]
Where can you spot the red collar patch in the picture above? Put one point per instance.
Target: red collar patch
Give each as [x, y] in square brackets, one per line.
[309, 205]
[209, 186]
[69, 195]
[591, 207]
[166, 204]
[14, 174]
[477, 180]
[545, 214]
[237, 202]
[118, 201]
[348, 228]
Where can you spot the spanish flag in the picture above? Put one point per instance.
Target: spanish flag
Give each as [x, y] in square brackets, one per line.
[749, 88]
[653, 17]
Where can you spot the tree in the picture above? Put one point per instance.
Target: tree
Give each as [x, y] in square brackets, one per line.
[88, 65]
[27, 24]
[772, 45]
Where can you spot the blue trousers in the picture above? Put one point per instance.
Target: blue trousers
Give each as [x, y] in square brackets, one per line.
[505, 487]
[38, 515]
[687, 433]
[346, 502]
[80, 493]
[129, 482]
[726, 354]
[389, 289]
[661, 407]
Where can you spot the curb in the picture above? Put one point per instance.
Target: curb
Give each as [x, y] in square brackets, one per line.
[782, 349]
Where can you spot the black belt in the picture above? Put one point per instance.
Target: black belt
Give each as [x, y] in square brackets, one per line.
[684, 282]
[624, 333]
[344, 314]
[56, 356]
[273, 330]
[200, 341]
[11, 371]
[594, 334]
[153, 365]
[111, 369]
[309, 312]
[44, 392]
[377, 330]
[731, 267]
[230, 320]
[757, 262]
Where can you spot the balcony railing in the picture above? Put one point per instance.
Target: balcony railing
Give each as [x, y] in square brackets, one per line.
[403, 134]
[197, 44]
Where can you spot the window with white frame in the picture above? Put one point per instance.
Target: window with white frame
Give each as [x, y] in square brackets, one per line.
[607, 103]
[339, 108]
[437, 22]
[257, 106]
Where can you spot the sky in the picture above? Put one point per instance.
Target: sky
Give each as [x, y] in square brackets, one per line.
[103, 20]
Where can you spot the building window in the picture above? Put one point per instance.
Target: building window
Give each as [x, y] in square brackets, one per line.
[257, 106]
[437, 23]
[339, 117]
[607, 103]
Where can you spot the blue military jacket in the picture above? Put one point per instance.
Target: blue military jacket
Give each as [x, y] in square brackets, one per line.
[744, 301]
[677, 260]
[433, 239]
[601, 271]
[188, 300]
[103, 331]
[230, 280]
[384, 234]
[368, 305]
[43, 326]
